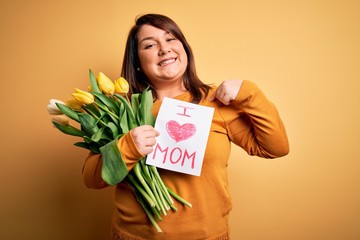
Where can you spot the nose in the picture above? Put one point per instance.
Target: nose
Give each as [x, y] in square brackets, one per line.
[163, 50]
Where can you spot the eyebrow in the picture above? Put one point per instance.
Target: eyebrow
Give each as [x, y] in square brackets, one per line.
[144, 39]
[151, 37]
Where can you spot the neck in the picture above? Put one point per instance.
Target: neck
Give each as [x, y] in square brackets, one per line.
[170, 91]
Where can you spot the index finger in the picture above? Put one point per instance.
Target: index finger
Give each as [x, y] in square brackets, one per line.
[214, 95]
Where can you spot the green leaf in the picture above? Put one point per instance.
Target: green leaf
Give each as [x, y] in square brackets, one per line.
[138, 117]
[88, 123]
[135, 102]
[106, 111]
[129, 112]
[110, 103]
[115, 120]
[92, 146]
[69, 130]
[102, 106]
[113, 128]
[94, 86]
[87, 139]
[114, 169]
[92, 107]
[124, 125]
[98, 134]
[121, 111]
[68, 111]
[82, 145]
[146, 105]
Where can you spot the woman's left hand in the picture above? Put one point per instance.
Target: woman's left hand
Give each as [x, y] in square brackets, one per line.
[227, 91]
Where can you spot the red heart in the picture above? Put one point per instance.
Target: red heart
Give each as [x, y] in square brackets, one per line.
[180, 132]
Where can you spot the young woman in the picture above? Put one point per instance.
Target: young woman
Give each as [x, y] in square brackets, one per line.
[158, 55]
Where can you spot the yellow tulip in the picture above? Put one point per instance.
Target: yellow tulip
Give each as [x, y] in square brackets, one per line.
[105, 84]
[61, 119]
[121, 85]
[74, 104]
[52, 108]
[83, 97]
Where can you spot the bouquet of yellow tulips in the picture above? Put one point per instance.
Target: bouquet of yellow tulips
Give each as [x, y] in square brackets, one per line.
[105, 113]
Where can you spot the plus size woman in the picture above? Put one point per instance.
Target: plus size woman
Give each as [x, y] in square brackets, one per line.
[158, 55]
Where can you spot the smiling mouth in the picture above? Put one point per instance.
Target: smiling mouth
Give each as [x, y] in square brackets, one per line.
[167, 61]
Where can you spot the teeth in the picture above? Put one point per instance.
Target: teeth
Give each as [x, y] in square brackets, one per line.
[167, 62]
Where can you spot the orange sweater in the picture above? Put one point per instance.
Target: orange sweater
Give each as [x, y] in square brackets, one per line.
[251, 121]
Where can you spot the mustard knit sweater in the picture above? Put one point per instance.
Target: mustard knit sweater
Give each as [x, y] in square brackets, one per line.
[251, 121]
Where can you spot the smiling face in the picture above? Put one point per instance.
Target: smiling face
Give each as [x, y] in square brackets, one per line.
[162, 57]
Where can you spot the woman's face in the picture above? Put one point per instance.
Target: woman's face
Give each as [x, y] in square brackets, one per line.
[162, 57]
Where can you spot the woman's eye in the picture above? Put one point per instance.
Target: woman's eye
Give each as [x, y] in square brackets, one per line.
[149, 46]
[170, 39]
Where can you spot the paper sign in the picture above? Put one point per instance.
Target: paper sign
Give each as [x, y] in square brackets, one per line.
[184, 131]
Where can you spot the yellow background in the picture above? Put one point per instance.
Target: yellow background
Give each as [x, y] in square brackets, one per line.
[305, 55]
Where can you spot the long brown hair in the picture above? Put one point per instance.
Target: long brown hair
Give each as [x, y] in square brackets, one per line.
[138, 81]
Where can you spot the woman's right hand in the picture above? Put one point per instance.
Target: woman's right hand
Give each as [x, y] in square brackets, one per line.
[144, 138]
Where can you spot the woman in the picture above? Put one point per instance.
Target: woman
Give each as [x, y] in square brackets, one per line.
[158, 55]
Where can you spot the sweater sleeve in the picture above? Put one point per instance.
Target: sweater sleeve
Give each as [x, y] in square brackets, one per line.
[254, 124]
[93, 163]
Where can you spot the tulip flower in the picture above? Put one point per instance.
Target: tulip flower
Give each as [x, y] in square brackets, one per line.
[102, 122]
[105, 84]
[83, 97]
[52, 108]
[74, 104]
[121, 85]
[61, 119]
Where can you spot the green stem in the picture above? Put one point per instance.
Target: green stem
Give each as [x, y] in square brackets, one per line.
[142, 191]
[113, 116]
[95, 116]
[173, 207]
[107, 111]
[127, 98]
[139, 176]
[148, 213]
[156, 213]
[163, 203]
[161, 183]
[180, 199]
[151, 183]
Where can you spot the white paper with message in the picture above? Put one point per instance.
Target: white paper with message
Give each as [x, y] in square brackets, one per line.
[184, 131]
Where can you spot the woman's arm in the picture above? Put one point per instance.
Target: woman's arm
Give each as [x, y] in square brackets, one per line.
[92, 172]
[132, 146]
[253, 122]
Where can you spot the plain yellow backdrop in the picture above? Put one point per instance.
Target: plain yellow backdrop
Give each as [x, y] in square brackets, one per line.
[305, 55]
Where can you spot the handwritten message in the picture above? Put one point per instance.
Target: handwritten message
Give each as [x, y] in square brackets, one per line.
[184, 130]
